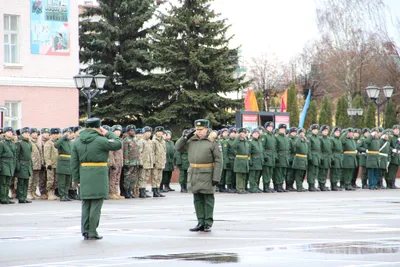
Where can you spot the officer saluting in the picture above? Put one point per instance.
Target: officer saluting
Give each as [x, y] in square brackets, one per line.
[204, 173]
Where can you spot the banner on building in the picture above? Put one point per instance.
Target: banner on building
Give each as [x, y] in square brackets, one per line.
[250, 121]
[50, 27]
[282, 119]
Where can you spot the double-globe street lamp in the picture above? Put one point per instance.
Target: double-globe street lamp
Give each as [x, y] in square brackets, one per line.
[83, 83]
[354, 112]
[373, 93]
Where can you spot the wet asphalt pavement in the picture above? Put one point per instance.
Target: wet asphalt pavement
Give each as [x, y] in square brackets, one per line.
[355, 229]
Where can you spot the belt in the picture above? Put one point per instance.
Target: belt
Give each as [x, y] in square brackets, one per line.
[373, 152]
[301, 155]
[383, 154]
[94, 164]
[350, 152]
[242, 156]
[65, 155]
[204, 165]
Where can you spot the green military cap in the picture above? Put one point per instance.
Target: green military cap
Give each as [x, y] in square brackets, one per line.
[33, 130]
[242, 130]
[314, 127]
[55, 130]
[200, 124]
[77, 128]
[159, 129]
[349, 130]
[380, 129]
[93, 123]
[106, 127]
[324, 127]
[116, 128]
[146, 129]
[45, 130]
[25, 130]
[293, 130]
[301, 130]
[255, 130]
[282, 126]
[8, 129]
[67, 130]
[130, 127]
[397, 126]
[139, 131]
[167, 132]
[365, 130]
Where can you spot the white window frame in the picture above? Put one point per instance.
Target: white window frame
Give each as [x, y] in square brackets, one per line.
[10, 118]
[10, 32]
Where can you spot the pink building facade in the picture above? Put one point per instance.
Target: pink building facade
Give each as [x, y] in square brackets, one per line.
[40, 55]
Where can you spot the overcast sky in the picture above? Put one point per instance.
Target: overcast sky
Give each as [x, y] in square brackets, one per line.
[270, 26]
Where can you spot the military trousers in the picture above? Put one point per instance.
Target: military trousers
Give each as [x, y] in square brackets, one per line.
[43, 182]
[240, 181]
[121, 183]
[254, 180]
[354, 178]
[166, 177]
[364, 175]
[145, 174]
[373, 178]
[131, 175]
[156, 175]
[34, 182]
[222, 182]
[204, 207]
[390, 176]
[230, 177]
[347, 176]
[52, 182]
[91, 212]
[299, 177]
[267, 173]
[22, 188]
[183, 176]
[280, 175]
[64, 182]
[115, 176]
[322, 175]
[290, 176]
[312, 174]
[4, 188]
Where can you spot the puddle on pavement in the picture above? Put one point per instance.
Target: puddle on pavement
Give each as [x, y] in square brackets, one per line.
[212, 258]
[389, 246]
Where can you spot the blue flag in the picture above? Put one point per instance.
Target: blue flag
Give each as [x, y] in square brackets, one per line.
[305, 108]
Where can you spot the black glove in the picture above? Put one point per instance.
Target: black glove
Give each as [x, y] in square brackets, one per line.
[43, 168]
[140, 166]
[266, 159]
[214, 183]
[126, 167]
[228, 165]
[322, 161]
[112, 167]
[190, 133]
[49, 167]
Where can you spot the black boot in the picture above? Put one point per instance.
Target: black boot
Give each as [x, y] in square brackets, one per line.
[156, 193]
[279, 188]
[167, 187]
[159, 194]
[142, 193]
[131, 195]
[56, 192]
[185, 190]
[230, 189]
[182, 188]
[349, 188]
[222, 189]
[335, 187]
[198, 228]
[127, 194]
[290, 188]
[217, 189]
[342, 185]
[322, 187]
[312, 188]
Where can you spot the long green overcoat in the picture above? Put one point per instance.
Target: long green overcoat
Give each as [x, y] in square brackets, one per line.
[362, 152]
[182, 160]
[228, 153]
[269, 145]
[394, 144]
[242, 149]
[256, 154]
[8, 158]
[282, 150]
[202, 151]
[91, 147]
[349, 152]
[326, 152]
[384, 156]
[372, 145]
[24, 168]
[300, 161]
[64, 146]
[170, 154]
[314, 150]
[337, 152]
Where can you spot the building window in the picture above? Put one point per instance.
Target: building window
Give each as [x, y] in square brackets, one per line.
[12, 116]
[11, 40]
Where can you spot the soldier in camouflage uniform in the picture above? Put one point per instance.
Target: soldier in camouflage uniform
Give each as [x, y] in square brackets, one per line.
[44, 137]
[159, 160]
[116, 160]
[38, 164]
[138, 136]
[131, 153]
[146, 160]
[50, 158]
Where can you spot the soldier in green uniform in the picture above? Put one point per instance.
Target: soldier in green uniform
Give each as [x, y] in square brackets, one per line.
[89, 169]
[290, 176]
[169, 165]
[24, 166]
[63, 170]
[390, 176]
[223, 136]
[349, 157]
[204, 174]
[282, 159]
[131, 161]
[7, 164]
[326, 158]
[270, 156]
[300, 161]
[362, 160]
[256, 161]
[356, 137]
[314, 158]
[182, 162]
[384, 157]
[228, 162]
[372, 144]
[241, 163]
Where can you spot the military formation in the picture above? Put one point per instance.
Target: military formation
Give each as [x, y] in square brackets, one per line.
[281, 158]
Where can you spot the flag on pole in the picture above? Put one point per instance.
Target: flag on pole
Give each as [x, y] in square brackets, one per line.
[250, 101]
[284, 101]
[304, 112]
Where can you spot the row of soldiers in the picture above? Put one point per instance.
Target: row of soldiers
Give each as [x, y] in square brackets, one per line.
[285, 155]
[41, 160]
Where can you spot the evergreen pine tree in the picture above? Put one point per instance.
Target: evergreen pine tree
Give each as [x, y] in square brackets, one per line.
[358, 102]
[325, 112]
[338, 115]
[390, 115]
[192, 50]
[311, 116]
[370, 117]
[260, 100]
[117, 46]
[343, 120]
[292, 105]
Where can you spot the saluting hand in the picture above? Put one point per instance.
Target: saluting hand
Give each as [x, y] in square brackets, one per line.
[103, 131]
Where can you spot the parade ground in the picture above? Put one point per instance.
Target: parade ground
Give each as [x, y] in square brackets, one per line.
[353, 229]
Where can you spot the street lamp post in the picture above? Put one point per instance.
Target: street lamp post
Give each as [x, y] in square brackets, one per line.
[83, 84]
[354, 112]
[373, 93]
